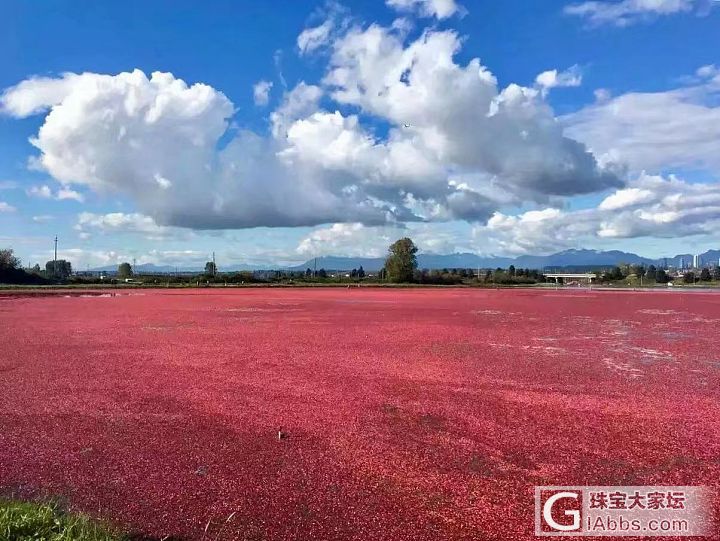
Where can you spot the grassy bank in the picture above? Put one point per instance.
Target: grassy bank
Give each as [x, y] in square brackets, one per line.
[24, 521]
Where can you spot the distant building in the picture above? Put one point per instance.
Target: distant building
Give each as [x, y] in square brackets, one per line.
[682, 262]
[696, 261]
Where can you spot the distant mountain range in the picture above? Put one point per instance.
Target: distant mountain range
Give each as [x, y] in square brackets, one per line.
[567, 258]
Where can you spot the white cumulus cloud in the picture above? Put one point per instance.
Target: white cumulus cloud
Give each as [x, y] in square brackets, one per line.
[119, 222]
[626, 198]
[442, 9]
[457, 145]
[652, 206]
[557, 79]
[348, 239]
[457, 117]
[678, 128]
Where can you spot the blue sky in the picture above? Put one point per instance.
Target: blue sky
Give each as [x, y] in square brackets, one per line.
[282, 177]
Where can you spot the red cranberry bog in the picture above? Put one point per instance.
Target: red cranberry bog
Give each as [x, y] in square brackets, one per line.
[405, 414]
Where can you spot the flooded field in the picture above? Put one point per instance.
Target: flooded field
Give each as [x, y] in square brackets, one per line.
[406, 414]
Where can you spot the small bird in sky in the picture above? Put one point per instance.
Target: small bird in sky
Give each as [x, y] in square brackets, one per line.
[406, 125]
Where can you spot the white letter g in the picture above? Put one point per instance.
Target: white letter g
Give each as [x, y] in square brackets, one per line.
[547, 512]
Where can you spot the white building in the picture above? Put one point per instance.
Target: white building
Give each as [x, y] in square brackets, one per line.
[696, 261]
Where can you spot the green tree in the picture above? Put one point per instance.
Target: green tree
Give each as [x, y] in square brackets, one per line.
[651, 272]
[322, 273]
[8, 260]
[125, 270]
[511, 270]
[59, 269]
[662, 277]
[401, 261]
[361, 272]
[689, 277]
[705, 275]
[716, 273]
[210, 269]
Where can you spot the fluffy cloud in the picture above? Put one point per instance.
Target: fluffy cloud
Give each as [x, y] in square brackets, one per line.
[708, 72]
[358, 240]
[66, 193]
[313, 38]
[261, 92]
[456, 145]
[63, 193]
[155, 140]
[6, 207]
[554, 79]
[627, 12]
[442, 9]
[457, 118]
[352, 240]
[536, 231]
[627, 198]
[653, 206]
[37, 94]
[335, 19]
[119, 222]
[662, 207]
[655, 130]
[301, 101]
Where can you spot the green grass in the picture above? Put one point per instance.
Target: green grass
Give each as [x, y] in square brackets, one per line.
[23, 521]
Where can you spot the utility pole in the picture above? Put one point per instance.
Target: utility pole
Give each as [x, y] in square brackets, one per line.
[315, 269]
[55, 260]
[214, 267]
[133, 269]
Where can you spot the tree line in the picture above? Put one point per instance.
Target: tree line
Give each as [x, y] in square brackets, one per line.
[11, 271]
[651, 273]
[400, 266]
